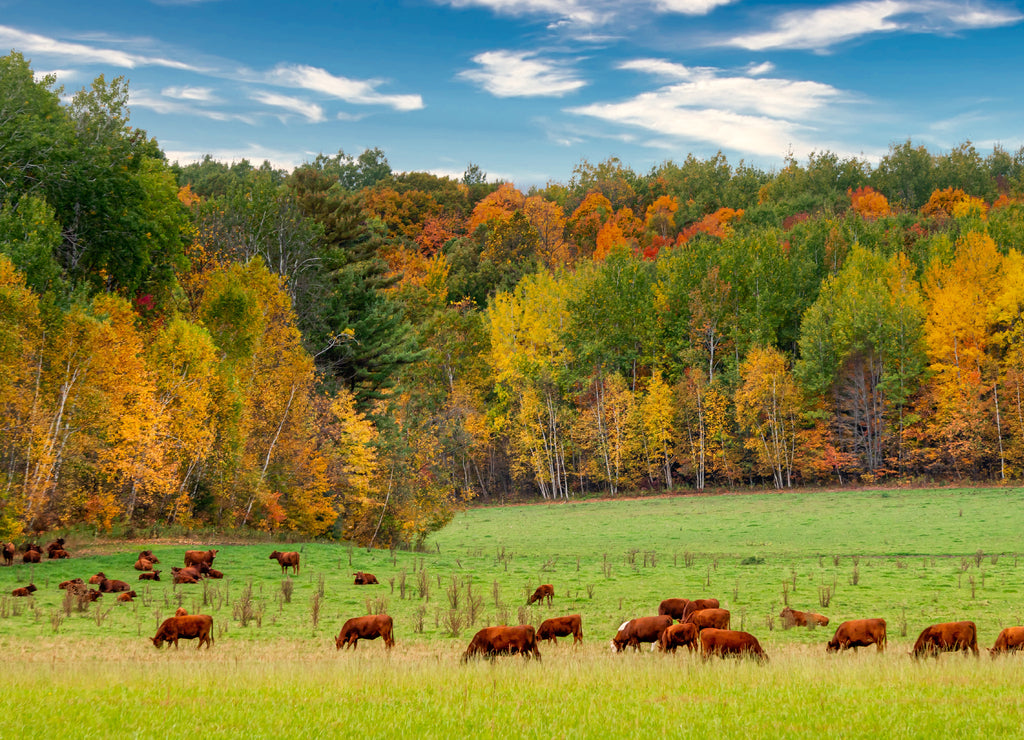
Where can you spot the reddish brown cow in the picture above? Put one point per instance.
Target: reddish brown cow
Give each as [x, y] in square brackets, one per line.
[365, 579]
[195, 557]
[181, 612]
[946, 637]
[93, 580]
[677, 636]
[696, 605]
[366, 628]
[185, 628]
[552, 629]
[32, 556]
[24, 590]
[641, 629]
[8, 551]
[183, 577]
[709, 618]
[493, 641]
[286, 560]
[109, 586]
[128, 596]
[57, 544]
[1010, 640]
[674, 608]
[59, 555]
[151, 576]
[858, 633]
[72, 582]
[213, 573]
[547, 591]
[143, 564]
[148, 555]
[730, 642]
[193, 571]
[794, 618]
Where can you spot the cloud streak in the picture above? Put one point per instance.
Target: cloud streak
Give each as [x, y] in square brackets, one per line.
[512, 74]
[359, 92]
[32, 43]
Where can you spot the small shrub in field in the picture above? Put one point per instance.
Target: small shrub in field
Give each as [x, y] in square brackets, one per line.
[453, 622]
[287, 588]
[423, 584]
[752, 560]
[496, 593]
[707, 581]
[689, 559]
[402, 575]
[454, 593]
[474, 605]
[590, 590]
[835, 560]
[855, 576]
[56, 619]
[769, 622]
[316, 603]
[68, 602]
[391, 582]
[244, 609]
[902, 622]
[524, 615]
[994, 558]
[785, 594]
[824, 596]
[501, 616]
[978, 557]
[421, 612]
[321, 587]
[971, 580]
[100, 616]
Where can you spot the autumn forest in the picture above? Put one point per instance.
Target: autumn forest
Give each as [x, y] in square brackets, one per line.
[348, 351]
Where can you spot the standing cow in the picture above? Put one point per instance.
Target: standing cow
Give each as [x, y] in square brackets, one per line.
[366, 628]
[185, 628]
[857, 633]
[730, 642]
[946, 637]
[8, 551]
[552, 629]
[1010, 640]
[286, 560]
[677, 636]
[547, 591]
[641, 629]
[493, 641]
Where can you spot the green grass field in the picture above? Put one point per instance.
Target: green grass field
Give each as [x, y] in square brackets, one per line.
[912, 557]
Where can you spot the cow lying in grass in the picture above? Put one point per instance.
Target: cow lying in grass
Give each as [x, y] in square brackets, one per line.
[24, 590]
[185, 628]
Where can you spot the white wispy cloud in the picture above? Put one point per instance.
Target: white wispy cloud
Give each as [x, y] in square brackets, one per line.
[825, 27]
[159, 103]
[690, 7]
[658, 68]
[589, 12]
[508, 74]
[763, 116]
[187, 92]
[32, 44]
[360, 92]
[756, 70]
[310, 111]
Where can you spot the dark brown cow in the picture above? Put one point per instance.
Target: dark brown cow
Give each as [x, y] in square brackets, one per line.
[57, 544]
[547, 591]
[366, 628]
[286, 560]
[696, 605]
[213, 573]
[794, 618]
[148, 555]
[153, 575]
[730, 642]
[24, 590]
[60, 555]
[493, 641]
[365, 579]
[128, 596]
[641, 629]
[552, 629]
[677, 636]
[143, 564]
[193, 571]
[72, 582]
[674, 608]
[183, 577]
[32, 556]
[195, 557]
[8, 551]
[1010, 640]
[185, 628]
[110, 586]
[858, 633]
[945, 638]
[93, 580]
[709, 618]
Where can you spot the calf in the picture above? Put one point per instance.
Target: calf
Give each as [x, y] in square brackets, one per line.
[366, 628]
[108, 586]
[150, 576]
[1010, 640]
[24, 590]
[286, 560]
[709, 618]
[677, 636]
[947, 637]
[72, 582]
[493, 641]
[185, 628]
[128, 596]
[641, 629]
[794, 618]
[364, 579]
[858, 633]
[8, 551]
[552, 629]
[213, 573]
[546, 591]
[730, 642]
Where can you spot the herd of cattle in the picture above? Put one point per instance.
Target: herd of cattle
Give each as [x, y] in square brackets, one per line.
[694, 624]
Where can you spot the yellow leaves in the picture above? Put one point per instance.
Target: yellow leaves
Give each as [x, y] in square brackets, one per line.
[868, 202]
[499, 205]
[956, 203]
[187, 197]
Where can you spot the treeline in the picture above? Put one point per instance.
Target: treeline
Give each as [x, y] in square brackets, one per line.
[343, 349]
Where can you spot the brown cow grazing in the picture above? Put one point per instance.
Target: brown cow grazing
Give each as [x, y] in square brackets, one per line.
[286, 560]
[24, 591]
[151, 576]
[1010, 640]
[675, 608]
[552, 629]
[493, 641]
[365, 579]
[366, 628]
[148, 555]
[730, 642]
[794, 618]
[181, 612]
[185, 628]
[72, 582]
[947, 637]
[641, 629]
[858, 633]
[93, 580]
[677, 636]
[127, 596]
[195, 557]
[8, 550]
[547, 591]
[32, 556]
[709, 618]
[696, 605]
[143, 564]
[109, 586]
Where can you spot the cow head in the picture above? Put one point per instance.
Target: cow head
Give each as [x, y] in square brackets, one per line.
[157, 641]
[274, 555]
[832, 647]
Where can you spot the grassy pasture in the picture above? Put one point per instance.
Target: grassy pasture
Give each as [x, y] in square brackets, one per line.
[912, 557]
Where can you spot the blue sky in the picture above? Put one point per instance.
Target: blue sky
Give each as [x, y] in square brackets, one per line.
[527, 89]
